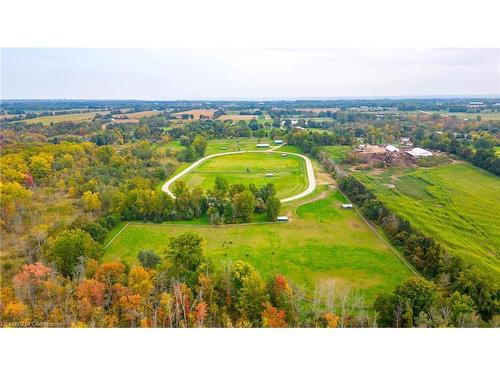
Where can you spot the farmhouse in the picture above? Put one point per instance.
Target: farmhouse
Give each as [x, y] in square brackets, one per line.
[278, 141]
[418, 152]
[282, 218]
[262, 145]
[391, 148]
[347, 206]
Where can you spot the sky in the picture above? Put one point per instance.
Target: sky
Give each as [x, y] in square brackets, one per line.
[177, 74]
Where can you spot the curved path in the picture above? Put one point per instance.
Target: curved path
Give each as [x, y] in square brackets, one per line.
[309, 168]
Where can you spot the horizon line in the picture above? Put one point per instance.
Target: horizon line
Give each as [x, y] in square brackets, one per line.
[271, 99]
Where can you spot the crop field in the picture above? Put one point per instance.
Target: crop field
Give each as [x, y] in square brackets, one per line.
[137, 115]
[197, 113]
[456, 204]
[237, 117]
[60, 118]
[289, 173]
[321, 243]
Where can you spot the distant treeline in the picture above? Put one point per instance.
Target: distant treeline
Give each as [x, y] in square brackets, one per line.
[430, 104]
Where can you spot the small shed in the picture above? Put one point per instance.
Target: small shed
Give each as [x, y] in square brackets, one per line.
[269, 174]
[278, 141]
[418, 152]
[347, 206]
[282, 218]
[391, 148]
[284, 155]
[262, 145]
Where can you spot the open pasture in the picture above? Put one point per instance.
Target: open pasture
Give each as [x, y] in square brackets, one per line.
[217, 146]
[337, 153]
[456, 204]
[76, 117]
[288, 173]
[321, 243]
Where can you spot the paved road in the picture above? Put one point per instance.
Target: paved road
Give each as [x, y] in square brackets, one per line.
[310, 172]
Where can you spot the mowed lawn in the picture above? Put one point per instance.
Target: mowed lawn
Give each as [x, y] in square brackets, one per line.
[289, 173]
[321, 243]
[457, 204]
[217, 146]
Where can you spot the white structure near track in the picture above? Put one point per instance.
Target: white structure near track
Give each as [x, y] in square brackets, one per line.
[262, 145]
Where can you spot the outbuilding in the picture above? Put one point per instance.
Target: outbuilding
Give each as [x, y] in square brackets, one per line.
[282, 218]
[262, 145]
[418, 152]
[269, 174]
[278, 141]
[391, 148]
[347, 206]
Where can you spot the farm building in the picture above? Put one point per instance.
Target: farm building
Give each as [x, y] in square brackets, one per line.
[347, 206]
[405, 140]
[278, 141]
[418, 152]
[284, 155]
[282, 218]
[269, 174]
[391, 148]
[262, 145]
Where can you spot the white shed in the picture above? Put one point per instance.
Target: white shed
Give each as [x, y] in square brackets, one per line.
[418, 152]
[391, 148]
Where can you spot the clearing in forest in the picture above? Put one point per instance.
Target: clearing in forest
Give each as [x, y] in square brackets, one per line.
[323, 242]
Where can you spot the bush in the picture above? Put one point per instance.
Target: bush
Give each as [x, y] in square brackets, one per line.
[148, 259]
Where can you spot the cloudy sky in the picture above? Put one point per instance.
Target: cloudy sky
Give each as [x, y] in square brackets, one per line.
[167, 74]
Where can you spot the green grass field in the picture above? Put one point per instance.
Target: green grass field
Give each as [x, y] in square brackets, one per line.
[217, 146]
[60, 118]
[456, 204]
[337, 153]
[289, 174]
[322, 242]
